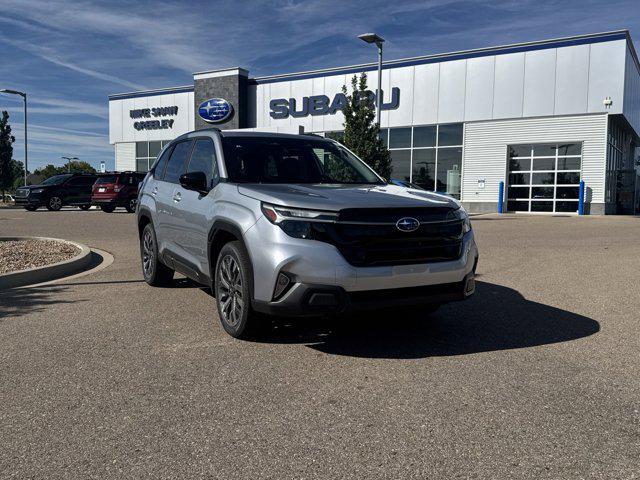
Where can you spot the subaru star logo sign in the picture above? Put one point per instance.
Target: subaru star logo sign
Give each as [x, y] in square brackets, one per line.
[215, 110]
[407, 224]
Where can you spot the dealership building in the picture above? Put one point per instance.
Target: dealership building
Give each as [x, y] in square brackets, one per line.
[531, 119]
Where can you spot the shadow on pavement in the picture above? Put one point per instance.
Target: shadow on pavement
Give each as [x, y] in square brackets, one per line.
[23, 301]
[496, 318]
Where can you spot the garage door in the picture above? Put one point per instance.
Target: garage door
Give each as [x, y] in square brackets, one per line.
[544, 177]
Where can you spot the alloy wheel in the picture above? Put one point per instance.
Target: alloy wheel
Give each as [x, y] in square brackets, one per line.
[55, 203]
[230, 291]
[148, 253]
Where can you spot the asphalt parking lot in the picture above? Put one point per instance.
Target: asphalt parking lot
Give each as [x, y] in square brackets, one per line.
[537, 376]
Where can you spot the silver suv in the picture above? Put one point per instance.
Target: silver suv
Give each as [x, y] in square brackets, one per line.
[297, 225]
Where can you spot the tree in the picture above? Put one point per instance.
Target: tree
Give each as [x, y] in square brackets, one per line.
[361, 133]
[75, 166]
[6, 154]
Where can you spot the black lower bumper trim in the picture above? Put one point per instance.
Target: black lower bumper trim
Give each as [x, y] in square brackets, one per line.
[314, 300]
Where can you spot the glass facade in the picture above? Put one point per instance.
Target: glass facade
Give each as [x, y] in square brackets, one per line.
[544, 177]
[429, 156]
[146, 153]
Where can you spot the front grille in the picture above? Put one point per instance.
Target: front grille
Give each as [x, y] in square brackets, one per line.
[22, 192]
[380, 243]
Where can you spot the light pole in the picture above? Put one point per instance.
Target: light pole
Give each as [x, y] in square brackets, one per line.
[68, 159]
[378, 40]
[24, 98]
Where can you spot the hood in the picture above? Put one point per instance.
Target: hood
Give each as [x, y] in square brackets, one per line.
[337, 197]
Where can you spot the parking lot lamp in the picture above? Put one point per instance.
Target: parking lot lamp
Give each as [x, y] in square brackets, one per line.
[68, 159]
[378, 40]
[24, 98]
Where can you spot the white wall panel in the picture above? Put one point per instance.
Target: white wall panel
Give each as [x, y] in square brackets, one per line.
[125, 156]
[479, 89]
[508, 86]
[121, 127]
[425, 94]
[333, 85]
[572, 79]
[317, 123]
[485, 150]
[605, 60]
[539, 83]
[452, 88]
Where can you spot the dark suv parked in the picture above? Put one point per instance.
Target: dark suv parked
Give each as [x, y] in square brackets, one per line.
[116, 190]
[56, 191]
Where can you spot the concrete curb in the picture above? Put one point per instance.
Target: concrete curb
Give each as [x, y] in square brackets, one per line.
[48, 272]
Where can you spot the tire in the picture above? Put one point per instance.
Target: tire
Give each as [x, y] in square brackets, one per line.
[131, 205]
[54, 203]
[30, 208]
[84, 207]
[233, 296]
[155, 273]
[107, 208]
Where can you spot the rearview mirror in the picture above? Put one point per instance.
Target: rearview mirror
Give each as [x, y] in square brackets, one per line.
[196, 181]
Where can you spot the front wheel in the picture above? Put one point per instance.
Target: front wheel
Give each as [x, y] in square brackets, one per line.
[155, 272]
[131, 205]
[232, 293]
[107, 208]
[54, 203]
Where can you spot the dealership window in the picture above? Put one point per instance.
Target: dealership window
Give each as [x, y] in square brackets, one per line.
[544, 177]
[146, 153]
[429, 156]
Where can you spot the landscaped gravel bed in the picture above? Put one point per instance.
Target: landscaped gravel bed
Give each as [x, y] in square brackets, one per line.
[22, 254]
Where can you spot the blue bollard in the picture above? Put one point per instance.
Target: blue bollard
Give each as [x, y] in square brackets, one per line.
[581, 198]
[500, 196]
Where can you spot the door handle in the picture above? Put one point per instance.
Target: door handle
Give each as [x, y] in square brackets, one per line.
[177, 197]
[154, 192]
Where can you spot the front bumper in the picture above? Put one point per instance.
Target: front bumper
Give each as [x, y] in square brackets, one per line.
[314, 265]
[30, 201]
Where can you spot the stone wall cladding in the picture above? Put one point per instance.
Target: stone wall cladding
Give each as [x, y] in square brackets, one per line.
[233, 88]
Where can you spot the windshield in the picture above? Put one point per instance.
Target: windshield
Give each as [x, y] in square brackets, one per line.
[56, 179]
[253, 159]
[107, 179]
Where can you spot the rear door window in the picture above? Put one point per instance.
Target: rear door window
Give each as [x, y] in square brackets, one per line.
[158, 168]
[177, 162]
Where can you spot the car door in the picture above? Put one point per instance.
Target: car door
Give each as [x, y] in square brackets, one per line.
[165, 189]
[84, 189]
[194, 209]
[72, 190]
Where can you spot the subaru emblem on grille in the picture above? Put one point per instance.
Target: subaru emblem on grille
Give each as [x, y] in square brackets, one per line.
[407, 224]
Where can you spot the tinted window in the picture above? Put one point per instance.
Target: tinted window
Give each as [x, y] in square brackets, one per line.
[154, 149]
[272, 159]
[203, 159]
[158, 169]
[56, 180]
[177, 161]
[400, 138]
[450, 134]
[81, 181]
[424, 136]
[106, 179]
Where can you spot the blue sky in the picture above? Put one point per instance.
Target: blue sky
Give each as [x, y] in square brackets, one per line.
[69, 55]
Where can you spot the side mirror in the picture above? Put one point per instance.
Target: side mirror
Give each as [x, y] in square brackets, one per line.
[196, 181]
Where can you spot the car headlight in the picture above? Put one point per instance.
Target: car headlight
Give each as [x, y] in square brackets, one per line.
[298, 222]
[461, 214]
[37, 190]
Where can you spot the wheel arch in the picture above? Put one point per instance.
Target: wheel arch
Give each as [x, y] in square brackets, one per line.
[221, 233]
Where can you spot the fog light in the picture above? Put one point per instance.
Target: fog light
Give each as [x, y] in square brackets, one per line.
[281, 285]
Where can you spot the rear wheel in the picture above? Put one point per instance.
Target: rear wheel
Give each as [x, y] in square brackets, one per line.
[30, 208]
[54, 203]
[107, 208]
[232, 293]
[84, 207]
[131, 205]
[155, 272]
